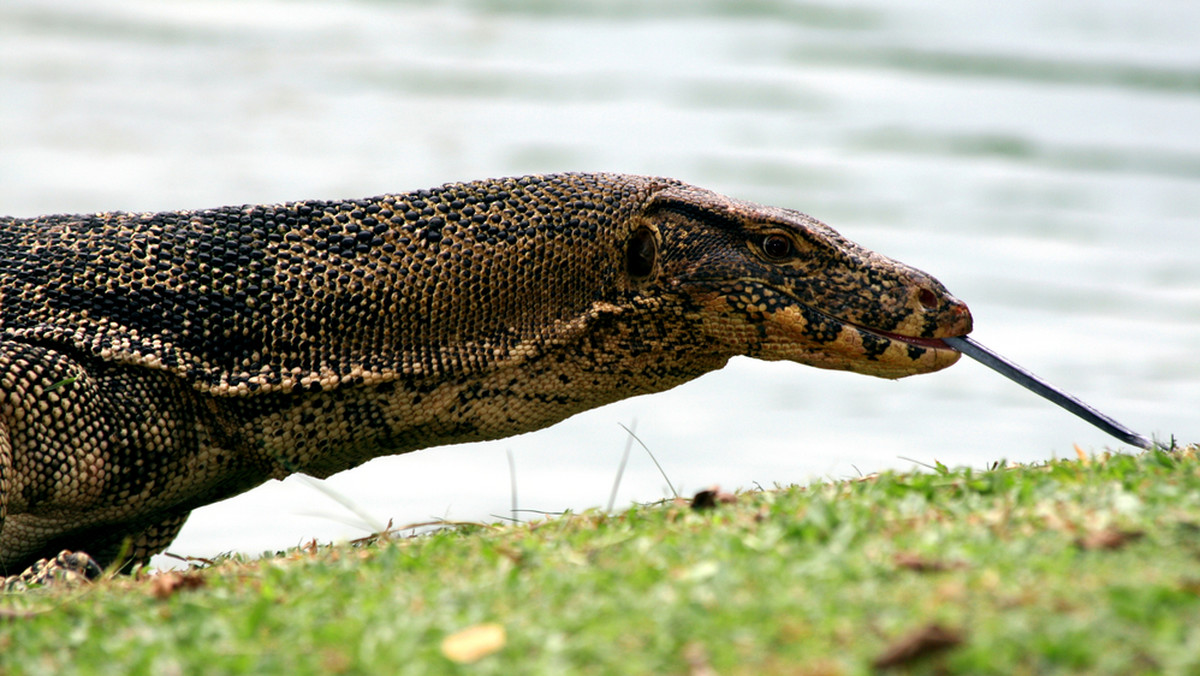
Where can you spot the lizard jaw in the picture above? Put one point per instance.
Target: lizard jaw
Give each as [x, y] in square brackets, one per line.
[801, 334]
[855, 347]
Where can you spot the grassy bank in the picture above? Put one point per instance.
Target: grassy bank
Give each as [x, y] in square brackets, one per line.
[1082, 566]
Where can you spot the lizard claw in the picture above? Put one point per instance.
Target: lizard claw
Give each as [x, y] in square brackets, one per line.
[68, 569]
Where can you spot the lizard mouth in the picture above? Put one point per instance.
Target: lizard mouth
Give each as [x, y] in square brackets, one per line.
[927, 343]
[796, 331]
[906, 354]
[954, 318]
[916, 341]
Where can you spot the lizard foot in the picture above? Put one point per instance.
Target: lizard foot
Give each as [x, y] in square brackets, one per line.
[68, 569]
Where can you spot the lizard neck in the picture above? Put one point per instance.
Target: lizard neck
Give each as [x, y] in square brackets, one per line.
[607, 354]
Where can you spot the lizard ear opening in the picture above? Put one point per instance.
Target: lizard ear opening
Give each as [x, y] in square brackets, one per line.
[641, 253]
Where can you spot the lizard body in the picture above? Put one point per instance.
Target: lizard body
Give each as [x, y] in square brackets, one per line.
[154, 363]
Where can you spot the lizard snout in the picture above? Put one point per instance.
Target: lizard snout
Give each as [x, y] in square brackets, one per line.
[934, 313]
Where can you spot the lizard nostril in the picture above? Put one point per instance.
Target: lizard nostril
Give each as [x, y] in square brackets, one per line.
[928, 299]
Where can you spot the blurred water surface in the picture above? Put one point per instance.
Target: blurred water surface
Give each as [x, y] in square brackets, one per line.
[1041, 159]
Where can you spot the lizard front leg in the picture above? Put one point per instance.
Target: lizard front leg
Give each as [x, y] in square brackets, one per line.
[104, 458]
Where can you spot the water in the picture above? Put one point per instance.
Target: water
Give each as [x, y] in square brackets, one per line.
[1042, 160]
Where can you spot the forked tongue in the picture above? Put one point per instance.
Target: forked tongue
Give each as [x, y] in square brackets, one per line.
[1031, 382]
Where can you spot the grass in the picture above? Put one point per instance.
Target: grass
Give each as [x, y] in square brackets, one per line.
[1084, 566]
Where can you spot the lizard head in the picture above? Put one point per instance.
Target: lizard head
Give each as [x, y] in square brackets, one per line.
[774, 284]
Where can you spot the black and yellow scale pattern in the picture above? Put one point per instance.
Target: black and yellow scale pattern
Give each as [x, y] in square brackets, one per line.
[154, 363]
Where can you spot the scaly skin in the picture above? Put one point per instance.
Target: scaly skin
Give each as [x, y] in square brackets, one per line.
[154, 363]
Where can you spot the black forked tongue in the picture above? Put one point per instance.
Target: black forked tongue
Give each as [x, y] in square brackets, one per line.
[1031, 382]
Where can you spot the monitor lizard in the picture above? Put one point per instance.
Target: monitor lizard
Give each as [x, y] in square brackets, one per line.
[152, 363]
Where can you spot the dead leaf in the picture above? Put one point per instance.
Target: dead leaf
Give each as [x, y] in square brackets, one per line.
[165, 585]
[1190, 585]
[762, 514]
[921, 564]
[334, 661]
[1083, 457]
[697, 659]
[474, 643]
[928, 640]
[1108, 539]
[711, 497]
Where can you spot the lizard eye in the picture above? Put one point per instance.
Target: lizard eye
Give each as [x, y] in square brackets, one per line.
[640, 253]
[777, 247]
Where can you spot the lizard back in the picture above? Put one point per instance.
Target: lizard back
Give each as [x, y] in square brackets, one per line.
[311, 295]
